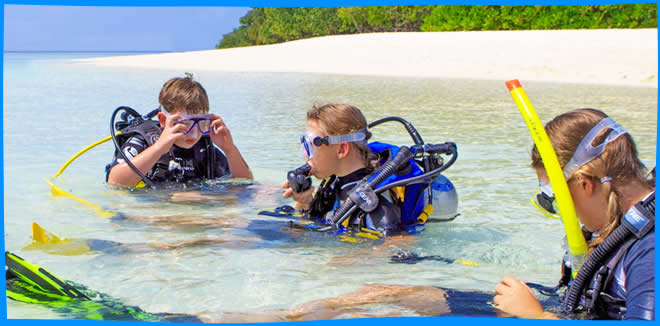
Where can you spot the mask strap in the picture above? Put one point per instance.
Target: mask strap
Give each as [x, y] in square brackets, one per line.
[359, 136]
[585, 153]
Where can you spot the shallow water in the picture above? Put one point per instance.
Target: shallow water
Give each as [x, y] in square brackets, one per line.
[53, 108]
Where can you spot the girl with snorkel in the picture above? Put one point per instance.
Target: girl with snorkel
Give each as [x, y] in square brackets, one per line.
[615, 202]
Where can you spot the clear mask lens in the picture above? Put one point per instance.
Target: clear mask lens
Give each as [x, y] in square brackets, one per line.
[544, 200]
[306, 147]
[203, 125]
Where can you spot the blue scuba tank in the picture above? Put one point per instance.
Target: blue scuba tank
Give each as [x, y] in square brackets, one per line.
[444, 198]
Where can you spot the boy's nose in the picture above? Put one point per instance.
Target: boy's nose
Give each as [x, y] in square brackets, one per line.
[194, 133]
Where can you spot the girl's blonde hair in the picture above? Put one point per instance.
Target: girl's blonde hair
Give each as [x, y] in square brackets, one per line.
[343, 119]
[618, 161]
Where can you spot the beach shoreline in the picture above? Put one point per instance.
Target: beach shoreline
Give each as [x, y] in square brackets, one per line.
[623, 57]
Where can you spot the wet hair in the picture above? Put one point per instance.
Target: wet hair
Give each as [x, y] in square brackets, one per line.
[184, 92]
[343, 119]
[618, 161]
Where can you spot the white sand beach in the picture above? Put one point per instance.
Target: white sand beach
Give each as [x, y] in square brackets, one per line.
[615, 57]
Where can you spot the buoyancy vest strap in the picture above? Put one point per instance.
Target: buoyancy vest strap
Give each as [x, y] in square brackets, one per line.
[346, 222]
[149, 131]
[645, 207]
[211, 158]
[595, 295]
[320, 203]
[614, 261]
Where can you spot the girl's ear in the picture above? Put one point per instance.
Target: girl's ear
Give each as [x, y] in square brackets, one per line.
[587, 184]
[342, 150]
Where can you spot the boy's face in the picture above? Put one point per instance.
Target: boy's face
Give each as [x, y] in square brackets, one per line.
[193, 136]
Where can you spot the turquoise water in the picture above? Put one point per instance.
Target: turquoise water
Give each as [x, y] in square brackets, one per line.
[54, 107]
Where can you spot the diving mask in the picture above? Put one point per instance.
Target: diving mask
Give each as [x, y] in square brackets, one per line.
[309, 141]
[544, 200]
[203, 122]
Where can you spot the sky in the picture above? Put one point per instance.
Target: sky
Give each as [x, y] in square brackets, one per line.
[69, 28]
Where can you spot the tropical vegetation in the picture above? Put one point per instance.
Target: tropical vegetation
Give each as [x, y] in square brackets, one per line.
[274, 25]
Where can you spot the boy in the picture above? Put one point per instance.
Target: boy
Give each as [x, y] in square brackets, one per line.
[173, 151]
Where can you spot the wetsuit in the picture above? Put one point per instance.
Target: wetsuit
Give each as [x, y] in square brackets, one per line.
[633, 281]
[630, 287]
[333, 192]
[178, 164]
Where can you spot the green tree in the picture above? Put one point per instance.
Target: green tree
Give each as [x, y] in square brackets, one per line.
[469, 18]
[383, 18]
[274, 25]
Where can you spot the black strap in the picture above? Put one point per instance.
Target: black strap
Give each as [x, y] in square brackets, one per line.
[596, 295]
[614, 261]
[161, 168]
[325, 198]
[210, 151]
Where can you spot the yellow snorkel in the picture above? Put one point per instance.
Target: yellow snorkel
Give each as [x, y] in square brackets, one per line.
[577, 246]
[81, 152]
[56, 191]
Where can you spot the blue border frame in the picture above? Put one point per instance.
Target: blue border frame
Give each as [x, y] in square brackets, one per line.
[292, 3]
[310, 3]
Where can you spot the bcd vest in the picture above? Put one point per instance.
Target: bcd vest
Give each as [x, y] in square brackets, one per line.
[150, 131]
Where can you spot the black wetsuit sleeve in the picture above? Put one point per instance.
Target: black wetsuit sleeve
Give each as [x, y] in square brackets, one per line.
[639, 270]
[221, 164]
[131, 148]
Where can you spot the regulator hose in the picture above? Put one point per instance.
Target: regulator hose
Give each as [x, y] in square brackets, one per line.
[387, 170]
[118, 148]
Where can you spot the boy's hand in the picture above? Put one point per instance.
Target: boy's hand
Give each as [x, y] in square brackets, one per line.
[515, 298]
[220, 134]
[303, 199]
[171, 133]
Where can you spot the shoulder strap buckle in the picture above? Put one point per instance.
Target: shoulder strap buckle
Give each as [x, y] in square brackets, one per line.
[364, 196]
[595, 288]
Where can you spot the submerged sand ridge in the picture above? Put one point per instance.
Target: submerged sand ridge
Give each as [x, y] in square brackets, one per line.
[614, 56]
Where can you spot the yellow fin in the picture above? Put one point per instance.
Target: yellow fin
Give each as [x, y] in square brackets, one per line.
[346, 238]
[466, 262]
[45, 240]
[372, 232]
[43, 236]
[367, 235]
[56, 191]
